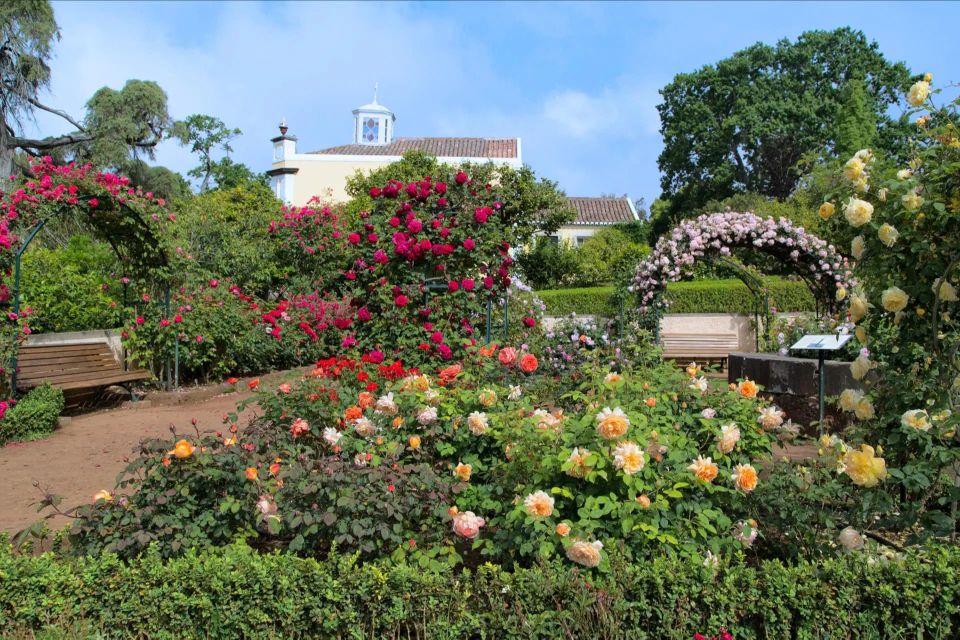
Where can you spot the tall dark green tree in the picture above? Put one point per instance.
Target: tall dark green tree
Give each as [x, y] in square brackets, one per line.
[118, 124]
[745, 123]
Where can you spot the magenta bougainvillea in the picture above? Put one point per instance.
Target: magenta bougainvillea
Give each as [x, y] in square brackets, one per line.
[674, 256]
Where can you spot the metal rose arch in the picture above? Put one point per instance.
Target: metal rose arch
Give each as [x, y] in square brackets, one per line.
[821, 266]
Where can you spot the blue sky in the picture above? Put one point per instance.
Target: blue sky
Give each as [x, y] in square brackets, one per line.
[577, 82]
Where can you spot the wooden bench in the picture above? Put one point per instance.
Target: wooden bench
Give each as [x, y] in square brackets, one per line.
[699, 347]
[74, 367]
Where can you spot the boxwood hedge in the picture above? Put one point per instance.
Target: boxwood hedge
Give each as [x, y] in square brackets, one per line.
[234, 592]
[699, 296]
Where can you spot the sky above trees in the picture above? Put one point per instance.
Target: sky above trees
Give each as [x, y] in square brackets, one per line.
[578, 83]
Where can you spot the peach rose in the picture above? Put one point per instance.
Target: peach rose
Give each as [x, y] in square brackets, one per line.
[585, 553]
[563, 529]
[463, 471]
[612, 423]
[414, 442]
[748, 389]
[251, 473]
[704, 468]
[507, 356]
[539, 504]
[744, 477]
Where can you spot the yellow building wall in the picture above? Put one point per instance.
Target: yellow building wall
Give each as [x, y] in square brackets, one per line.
[569, 234]
[326, 179]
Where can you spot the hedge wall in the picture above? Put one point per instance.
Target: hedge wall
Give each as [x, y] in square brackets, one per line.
[234, 592]
[699, 296]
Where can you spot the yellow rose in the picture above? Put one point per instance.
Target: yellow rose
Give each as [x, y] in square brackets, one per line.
[182, 450]
[888, 234]
[882, 194]
[918, 93]
[860, 367]
[858, 212]
[849, 399]
[858, 307]
[104, 495]
[863, 467]
[463, 471]
[857, 247]
[894, 299]
[927, 77]
[861, 334]
[911, 200]
[903, 174]
[854, 169]
[947, 291]
[916, 419]
[864, 409]
[826, 210]
[841, 294]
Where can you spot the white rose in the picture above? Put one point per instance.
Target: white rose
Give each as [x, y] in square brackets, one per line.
[858, 212]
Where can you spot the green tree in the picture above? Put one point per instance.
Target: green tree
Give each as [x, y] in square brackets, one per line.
[856, 120]
[226, 234]
[548, 264]
[118, 124]
[205, 134]
[159, 180]
[227, 174]
[532, 205]
[745, 123]
[606, 254]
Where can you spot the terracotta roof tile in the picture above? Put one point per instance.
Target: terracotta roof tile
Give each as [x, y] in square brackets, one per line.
[440, 147]
[602, 210]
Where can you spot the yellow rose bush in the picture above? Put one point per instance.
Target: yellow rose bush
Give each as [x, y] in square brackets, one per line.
[903, 226]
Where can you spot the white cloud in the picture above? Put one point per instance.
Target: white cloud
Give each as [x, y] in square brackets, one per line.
[621, 111]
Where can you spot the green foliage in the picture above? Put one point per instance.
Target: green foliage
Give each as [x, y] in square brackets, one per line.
[64, 287]
[227, 174]
[548, 264]
[118, 122]
[225, 233]
[698, 296]
[745, 123]
[606, 254]
[33, 416]
[234, 592]
[856, 120]
[204, 134]
[160, 181]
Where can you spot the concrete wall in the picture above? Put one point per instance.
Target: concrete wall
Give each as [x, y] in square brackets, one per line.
[110, 336]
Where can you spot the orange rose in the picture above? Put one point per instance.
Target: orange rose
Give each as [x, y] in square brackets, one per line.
[650, 402]
[232, 381]
[183, 449]
[644, 501]
[365, 400]
[166, 462]
[488, 350]
[352, 413]
[745, 477]
[563, 529]
[463, 471]
[748, 389]
[251, 473]
[450, 374]
[275, 468]
[528, 363]
[414, 442]
[704, 468]
[253, 384]
[397, 422]
[452, 511]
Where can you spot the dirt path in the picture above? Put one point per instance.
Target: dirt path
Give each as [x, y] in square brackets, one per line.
[86, 455]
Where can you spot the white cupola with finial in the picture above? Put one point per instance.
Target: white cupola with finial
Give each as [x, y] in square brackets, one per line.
[373, 123]
[284, 146]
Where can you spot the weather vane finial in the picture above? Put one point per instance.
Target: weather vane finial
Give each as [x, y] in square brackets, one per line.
[376, 88]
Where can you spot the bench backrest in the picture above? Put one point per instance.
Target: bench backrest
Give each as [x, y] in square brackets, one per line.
[66, 363]
[697, 344]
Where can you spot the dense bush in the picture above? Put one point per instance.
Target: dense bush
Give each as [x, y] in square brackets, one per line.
[34, 415]
[548, 264]
[69, 288]
[700, 296]
[234, 592]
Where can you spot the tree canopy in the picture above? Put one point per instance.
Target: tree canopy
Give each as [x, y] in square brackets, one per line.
[745, 123]
[204, 134]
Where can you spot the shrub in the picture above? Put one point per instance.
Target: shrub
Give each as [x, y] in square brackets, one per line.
[35, 415]
[548, 264]
[234, 592]
[606, 254]
[699, 296]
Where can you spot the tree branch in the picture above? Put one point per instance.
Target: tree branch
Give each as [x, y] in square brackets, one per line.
[56, 112]
[50, 143]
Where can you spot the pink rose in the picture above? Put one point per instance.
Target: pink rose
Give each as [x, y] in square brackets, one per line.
[507, 356]
[468, 284]
[469, 244]
[461, 177]
[467, 525]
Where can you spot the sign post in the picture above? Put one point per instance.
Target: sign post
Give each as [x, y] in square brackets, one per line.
[821, 344]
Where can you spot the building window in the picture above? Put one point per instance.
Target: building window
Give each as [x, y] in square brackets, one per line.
[553, 239]
[581, 240]
[371, 130]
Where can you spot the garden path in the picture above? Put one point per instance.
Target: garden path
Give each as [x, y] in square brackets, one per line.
[86, 455]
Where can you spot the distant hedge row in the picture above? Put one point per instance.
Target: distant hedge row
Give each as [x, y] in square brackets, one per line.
[236, 593]
[700, 296]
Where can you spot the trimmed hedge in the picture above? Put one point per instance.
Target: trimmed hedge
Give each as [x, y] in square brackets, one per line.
[234, 592]
[699, 296]
[35, 415]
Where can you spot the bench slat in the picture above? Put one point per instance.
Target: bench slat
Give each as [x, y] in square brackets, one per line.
[73, 366]
[92, 380]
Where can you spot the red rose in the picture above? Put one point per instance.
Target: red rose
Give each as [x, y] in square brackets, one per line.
[481, 214]
[469, 244]
[401, 300]
[529, 322]
[394, 221]
[440, 188]
[415, 226]
[354, 238]
[436, 337]
[461, 177]
[488, 282]
[375, 192]
[528, 363]
[452, 286]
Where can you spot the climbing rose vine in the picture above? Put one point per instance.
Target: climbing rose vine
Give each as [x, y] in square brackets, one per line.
[814, 259]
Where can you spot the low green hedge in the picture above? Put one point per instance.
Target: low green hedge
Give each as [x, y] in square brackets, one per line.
[34, 415]
[234, 593]
[699, 296]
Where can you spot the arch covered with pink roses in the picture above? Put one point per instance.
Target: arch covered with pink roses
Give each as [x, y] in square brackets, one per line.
[815, 260]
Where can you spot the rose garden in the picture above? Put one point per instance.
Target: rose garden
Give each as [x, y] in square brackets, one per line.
[448, 461]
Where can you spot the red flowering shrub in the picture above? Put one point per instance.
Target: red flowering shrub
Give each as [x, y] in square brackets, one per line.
[412, 275]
